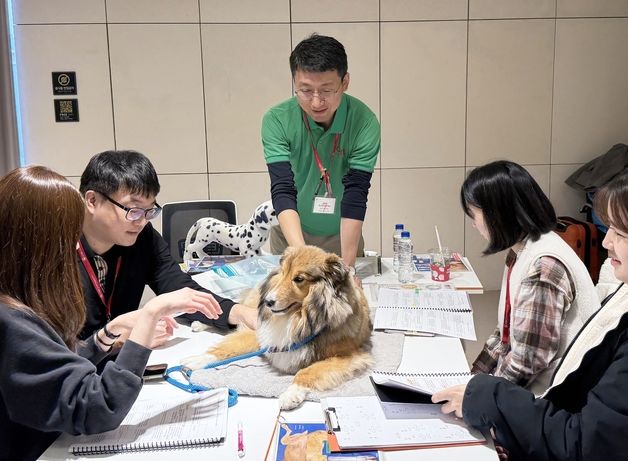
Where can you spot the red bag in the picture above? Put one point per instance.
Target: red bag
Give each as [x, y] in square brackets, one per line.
[583, 237]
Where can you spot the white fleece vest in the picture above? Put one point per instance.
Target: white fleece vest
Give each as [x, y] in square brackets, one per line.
[605, 320]
[585, 303]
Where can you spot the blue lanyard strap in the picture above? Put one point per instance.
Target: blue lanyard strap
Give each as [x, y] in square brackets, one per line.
[291, 347]
[233, 395]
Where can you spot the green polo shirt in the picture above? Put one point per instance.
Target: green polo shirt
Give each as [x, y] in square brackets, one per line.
[285, 138]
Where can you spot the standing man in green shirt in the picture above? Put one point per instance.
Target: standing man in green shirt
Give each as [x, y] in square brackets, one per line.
[320, 147]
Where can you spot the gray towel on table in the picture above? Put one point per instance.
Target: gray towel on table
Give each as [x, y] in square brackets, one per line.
[254, 376]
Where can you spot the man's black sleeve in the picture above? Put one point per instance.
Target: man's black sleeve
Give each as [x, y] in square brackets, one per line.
[357, 184]
[168, 277]
[282, 189]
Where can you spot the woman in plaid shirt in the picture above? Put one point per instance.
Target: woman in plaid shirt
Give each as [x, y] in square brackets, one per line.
[584, 414]
[546, 294]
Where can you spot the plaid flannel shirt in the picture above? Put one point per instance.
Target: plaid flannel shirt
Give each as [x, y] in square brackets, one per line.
[545, 295]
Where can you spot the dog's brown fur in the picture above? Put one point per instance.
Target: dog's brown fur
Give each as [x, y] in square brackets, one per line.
[312, 292]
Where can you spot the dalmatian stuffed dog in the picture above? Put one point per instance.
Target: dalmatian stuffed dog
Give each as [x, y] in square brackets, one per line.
[245, 239]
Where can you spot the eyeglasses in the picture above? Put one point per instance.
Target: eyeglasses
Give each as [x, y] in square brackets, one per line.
[136, 213]
[323, 95]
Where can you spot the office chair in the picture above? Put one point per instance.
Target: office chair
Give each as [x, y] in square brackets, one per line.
[178, 217]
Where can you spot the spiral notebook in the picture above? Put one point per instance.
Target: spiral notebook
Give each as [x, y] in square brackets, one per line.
[181, 421]
[443, 312]
[423, 383]
[409, 395]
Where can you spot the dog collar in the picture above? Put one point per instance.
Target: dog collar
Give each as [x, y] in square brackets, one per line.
[293, 346]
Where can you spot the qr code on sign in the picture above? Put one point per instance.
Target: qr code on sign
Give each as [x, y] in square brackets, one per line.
[65, 107]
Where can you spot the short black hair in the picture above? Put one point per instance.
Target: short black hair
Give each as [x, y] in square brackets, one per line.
[512, 202]
[319, 53]
[128, 170]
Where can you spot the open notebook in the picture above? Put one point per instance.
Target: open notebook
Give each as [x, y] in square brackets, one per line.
[437, 363]
[184, 420]
[443, 312]
[421, 383]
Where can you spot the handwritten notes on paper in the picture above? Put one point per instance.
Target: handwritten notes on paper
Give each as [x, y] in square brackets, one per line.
[363, 425]
[444, 312]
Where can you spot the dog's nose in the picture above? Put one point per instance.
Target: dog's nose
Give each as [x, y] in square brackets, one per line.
[269, 302]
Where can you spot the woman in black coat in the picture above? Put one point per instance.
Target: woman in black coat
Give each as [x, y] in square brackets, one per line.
[584, 413]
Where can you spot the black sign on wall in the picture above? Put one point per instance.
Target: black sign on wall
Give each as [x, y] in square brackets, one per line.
[66, 110]
[63, 83]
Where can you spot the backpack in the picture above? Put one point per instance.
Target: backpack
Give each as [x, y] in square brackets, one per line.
[595, 174]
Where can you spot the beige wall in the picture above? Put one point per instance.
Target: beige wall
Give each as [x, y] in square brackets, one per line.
[456, 83]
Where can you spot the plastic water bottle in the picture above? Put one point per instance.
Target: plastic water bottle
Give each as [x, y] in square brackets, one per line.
[406, 271]
[396, 237]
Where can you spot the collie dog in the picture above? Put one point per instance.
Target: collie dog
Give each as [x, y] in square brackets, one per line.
[312, 318]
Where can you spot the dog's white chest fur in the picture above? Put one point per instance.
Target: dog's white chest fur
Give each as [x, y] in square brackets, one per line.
[276, 334]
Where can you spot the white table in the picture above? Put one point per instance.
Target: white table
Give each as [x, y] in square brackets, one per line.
[367, 269]
[465, 281]
[258, 415]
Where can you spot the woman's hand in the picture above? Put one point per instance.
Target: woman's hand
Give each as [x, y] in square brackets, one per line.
[147, 329]
[185, 300]
[163, 331]
[453, 397]
[123, 324]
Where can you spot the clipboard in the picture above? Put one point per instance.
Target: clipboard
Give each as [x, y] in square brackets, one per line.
[359, 423]
[332, 443]
[331, 420]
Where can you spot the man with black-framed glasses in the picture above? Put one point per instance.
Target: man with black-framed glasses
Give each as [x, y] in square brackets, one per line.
[120, 252]
[320, 147]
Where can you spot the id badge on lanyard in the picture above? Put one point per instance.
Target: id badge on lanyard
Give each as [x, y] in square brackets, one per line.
[94, 280]
[325, 204]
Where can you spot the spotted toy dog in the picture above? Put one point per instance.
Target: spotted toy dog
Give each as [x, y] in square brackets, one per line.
[245, 239]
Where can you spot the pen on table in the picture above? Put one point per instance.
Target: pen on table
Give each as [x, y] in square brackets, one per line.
[241, 451]
[419, 333]
[410, 332]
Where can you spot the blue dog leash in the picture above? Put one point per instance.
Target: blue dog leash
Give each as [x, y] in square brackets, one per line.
[233, 395]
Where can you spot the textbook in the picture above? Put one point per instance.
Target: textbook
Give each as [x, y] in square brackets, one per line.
[459, 263]
[304, 441]
[182, 421]
[359, 423]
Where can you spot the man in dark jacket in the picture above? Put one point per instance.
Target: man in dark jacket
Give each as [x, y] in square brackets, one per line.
[120, 252]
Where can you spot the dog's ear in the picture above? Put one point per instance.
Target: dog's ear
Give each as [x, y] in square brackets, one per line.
[327, 304]
[336, 270]
[328, 296]
[288, 252]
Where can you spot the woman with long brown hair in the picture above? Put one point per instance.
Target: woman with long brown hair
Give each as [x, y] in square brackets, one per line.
[48, 380]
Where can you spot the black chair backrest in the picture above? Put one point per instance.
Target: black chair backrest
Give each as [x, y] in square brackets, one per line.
[178, 217]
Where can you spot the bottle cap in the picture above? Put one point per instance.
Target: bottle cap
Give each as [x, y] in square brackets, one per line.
[405, 234]
[398, 226]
